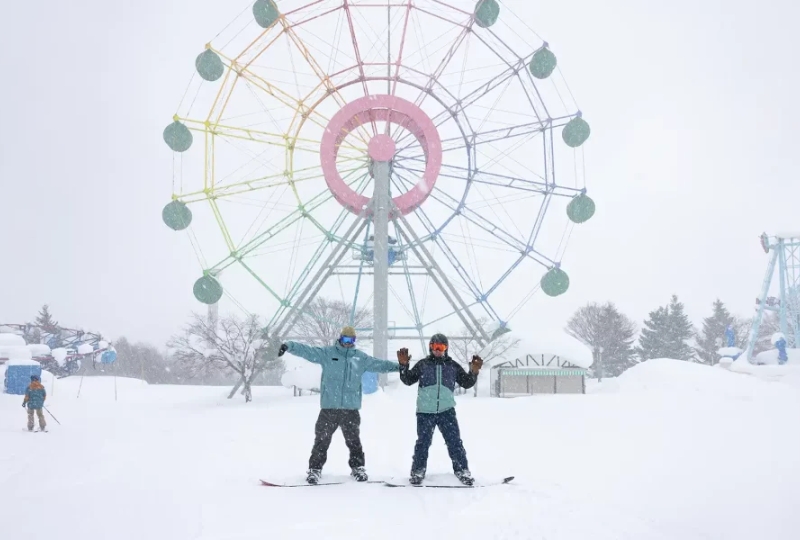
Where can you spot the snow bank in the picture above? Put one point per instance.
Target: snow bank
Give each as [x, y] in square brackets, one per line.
[730, 352]
[305, 377]
[770, 357]
[38, 349]
[666, 375]
[85, 348]
[11, 340]
[16, 352]
[59, 355]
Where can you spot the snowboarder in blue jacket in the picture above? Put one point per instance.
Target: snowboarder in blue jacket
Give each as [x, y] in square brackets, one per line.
[34, 398]
[438, 375]
[340, 397]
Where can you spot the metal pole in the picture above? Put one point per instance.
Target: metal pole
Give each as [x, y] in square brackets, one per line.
[381, 204]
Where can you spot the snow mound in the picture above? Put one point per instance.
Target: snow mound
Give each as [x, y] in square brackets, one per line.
[16, 352]
[304, 377]
[770, 357]
[60, 355]
[11, 340]
[38, 349]
[665, 375]
[85, 348]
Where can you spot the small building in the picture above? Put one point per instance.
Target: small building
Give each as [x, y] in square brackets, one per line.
[541, 368]
[18, 375]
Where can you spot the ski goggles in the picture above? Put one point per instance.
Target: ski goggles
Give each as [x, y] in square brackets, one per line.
[347, 340]
[438, 347]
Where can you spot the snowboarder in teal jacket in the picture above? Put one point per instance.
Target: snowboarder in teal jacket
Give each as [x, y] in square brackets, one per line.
[34, 398]
[340, 397]
[438, 375]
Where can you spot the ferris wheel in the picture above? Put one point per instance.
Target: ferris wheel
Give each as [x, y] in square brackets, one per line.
[418, 153]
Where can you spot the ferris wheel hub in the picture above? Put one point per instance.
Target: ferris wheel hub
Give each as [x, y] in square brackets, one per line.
[381, 147]
[387, 109]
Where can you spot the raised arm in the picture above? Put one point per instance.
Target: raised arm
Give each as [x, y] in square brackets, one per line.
[463, 378]
[315, 355]
[375, 365]
[410, 376]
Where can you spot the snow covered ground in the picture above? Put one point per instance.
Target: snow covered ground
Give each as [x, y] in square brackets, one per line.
[669, 450]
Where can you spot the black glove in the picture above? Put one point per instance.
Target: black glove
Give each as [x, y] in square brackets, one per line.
[23, 405]
[283, 349]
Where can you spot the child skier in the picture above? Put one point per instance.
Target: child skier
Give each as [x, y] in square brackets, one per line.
[35, 395]
[438, 375]
[340, 398]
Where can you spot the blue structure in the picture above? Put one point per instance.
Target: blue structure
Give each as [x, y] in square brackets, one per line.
[730, 336]
[369, 382]
[18, 377]
[108, 357]
[784, 253]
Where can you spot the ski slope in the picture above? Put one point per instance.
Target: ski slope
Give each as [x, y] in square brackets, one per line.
[668, 450]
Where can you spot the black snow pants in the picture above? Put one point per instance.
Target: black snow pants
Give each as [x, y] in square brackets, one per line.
[328, 422]
[447, 422]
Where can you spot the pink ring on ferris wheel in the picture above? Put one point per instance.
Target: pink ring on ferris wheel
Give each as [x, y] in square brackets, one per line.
[381, 108]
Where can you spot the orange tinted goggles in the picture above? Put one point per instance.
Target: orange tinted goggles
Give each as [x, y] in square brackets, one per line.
[438, 347]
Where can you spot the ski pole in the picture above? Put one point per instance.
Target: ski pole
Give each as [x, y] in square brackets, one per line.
[51, 414]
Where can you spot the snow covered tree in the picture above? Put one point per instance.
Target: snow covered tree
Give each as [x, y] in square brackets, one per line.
[679, 331]
[652, 341]
[46, 321]
[230, 346]
[322, 321]
[605, 326]
[666, 333]
[712, 335]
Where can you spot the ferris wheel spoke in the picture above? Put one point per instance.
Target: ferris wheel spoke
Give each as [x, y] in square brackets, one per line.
[399, 61]
[359, 60]
[497, 180]
[435, 234]
[433, 78]
[320, 73]
[489, 227]
[461, 106]
[329, 235]
[283, 97]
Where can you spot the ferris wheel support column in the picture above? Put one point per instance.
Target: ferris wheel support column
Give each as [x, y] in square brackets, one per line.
[380, 149]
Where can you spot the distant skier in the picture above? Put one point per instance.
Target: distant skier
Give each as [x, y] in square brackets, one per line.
[438, 375]
[340, 398]
[35, 395]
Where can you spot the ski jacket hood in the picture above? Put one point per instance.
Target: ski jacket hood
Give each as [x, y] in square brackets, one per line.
[342, 369]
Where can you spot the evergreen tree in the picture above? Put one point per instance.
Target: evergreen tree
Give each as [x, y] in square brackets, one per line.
[679, 331]
[652, 342]
[604, 326]
[666, 333]
[712, 336]
[46, 322]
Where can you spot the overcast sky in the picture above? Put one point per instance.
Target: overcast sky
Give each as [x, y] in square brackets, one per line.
[693, 153]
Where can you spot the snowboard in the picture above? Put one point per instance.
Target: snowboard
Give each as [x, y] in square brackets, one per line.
[444, 481]
[332, 480]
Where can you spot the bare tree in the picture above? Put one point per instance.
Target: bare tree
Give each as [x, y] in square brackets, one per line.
[322, 321]
[462, 349]
[230, 346]
[604, 326]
